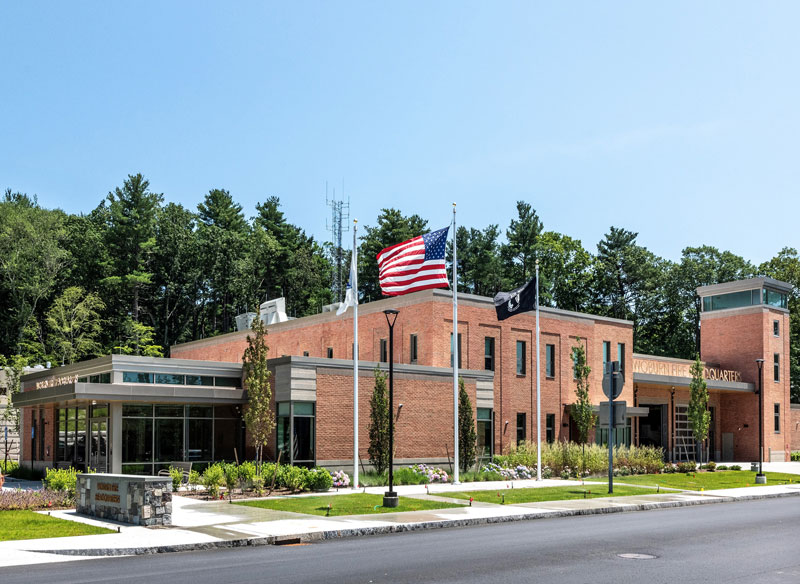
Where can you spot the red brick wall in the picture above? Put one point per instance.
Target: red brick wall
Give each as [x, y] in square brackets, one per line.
[794, 427]
[735, 339]
[431, 319]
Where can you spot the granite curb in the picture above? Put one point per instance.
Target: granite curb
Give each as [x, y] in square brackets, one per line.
[407, 527]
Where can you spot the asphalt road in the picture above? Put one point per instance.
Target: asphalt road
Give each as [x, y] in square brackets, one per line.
[733, 542]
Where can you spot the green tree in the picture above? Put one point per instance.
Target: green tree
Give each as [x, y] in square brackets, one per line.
[393, 227]
[565, 272]
[14, 366]
[520, 250]
[480, 269]
[467, 434]
[32, 260]
[259, 416]
[131, 239]
[74, 325]
[137, 339]
[379, 424]
[698, 413]
[581, 411]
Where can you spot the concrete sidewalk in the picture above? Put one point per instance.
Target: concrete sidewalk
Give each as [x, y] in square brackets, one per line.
[214, 524]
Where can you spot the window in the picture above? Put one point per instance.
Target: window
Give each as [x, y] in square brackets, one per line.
[330, 352]
[485, 432]
[412, 348]
[776, 328]
[295, 427]
[575, 364]
[305, 353]
[488, 353]
[550, 427]
[459, 350]
[550, 360]
[101, 378]
[384, 351]
[169, 379]
[606, 355]
[621, 357]
[521, 426]
[521, 358]
[776, 368]
[136, 377]
[227, 382]
[773, 298]
[199, 380]
[777, 418]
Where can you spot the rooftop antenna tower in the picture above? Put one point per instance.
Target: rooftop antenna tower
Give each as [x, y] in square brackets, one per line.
[340, 215]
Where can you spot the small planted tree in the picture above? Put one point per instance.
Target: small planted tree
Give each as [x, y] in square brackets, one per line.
[698, 413]
[258, 417]
[467, 435]
[379, 424]
[581, 410]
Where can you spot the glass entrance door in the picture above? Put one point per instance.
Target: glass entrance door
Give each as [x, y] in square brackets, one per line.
[98, 453]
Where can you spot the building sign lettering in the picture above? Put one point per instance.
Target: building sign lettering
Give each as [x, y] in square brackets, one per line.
[56, 381]
[107, 498]
[655, 367]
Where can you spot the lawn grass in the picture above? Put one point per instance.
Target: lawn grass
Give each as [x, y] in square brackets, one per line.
[32, 525]
[725, 479]
[538, 495]
[353, 504]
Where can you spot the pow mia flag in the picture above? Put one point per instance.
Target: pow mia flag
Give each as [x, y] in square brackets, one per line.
[522, 299]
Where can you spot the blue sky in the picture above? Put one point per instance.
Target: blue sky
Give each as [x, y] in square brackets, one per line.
[679, 121]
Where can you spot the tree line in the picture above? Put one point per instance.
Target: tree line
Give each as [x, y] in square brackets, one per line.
[138, 274]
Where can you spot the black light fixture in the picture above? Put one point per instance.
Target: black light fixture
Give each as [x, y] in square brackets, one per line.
[390, 498]
[760, 478]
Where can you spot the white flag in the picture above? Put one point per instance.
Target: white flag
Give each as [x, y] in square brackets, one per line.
[350, 297]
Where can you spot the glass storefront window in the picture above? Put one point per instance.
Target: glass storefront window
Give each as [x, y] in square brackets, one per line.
[199, 380]
[199, 439]
[169, 379]
[226, 438]
[169, 411]
[137, 410]
[227, 382]
[169, 440]
[137, 440]
[199, 411]
[136, 377]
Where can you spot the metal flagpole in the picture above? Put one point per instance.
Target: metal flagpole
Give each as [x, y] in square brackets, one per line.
[354, 286]
[538, 388]
[456, 480]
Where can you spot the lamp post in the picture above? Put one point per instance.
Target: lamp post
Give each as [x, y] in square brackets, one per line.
[760, 478]
[390, 497]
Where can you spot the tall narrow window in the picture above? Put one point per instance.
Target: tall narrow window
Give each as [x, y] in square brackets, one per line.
[330, 352]
[777, 418]
[412, 348]
[550, 360]
[521, 427]
[488, 353]
[459, 350]
[776, 368]
[384, 351]
[485, 432]
[776, 328]
[606, 355]
[621, 357]
[520, 357]
[550, 427]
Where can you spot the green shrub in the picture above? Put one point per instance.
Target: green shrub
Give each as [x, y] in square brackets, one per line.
[258, 484]
[795, 456]
[722, 467]
[318, 479]
[687, 467]
[61, 479]
[735, 467]
[212, 479]
[231, 472]
[194, 478]
[574, 458]
[9, 466]
[27, 473]
[709, 466]
[294, 477]
[176, 475]
[247, 472]
[407, 476]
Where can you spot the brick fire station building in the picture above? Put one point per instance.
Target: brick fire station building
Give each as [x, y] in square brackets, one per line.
[138, 414]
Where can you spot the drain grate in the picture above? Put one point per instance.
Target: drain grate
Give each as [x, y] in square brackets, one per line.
[637, 556]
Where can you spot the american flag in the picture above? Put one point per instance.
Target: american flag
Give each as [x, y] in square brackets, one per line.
[416, 264]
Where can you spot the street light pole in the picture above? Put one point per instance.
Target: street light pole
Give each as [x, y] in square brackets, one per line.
[390, 497]
[760, 478]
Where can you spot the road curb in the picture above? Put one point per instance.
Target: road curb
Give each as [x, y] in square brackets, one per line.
[407, 527]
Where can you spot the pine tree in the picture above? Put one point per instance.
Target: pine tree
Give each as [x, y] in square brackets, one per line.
[467, 435]
[379, 424]
[698, 412]
[258, 417]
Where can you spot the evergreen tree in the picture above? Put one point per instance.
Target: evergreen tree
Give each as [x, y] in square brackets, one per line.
[259, 416]
[520, 250]
[379, 424]
[467, 434]
[137, 339]
[698, 413]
